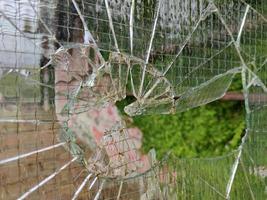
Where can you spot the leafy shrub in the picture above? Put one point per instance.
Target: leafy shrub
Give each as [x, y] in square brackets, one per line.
[209, 130]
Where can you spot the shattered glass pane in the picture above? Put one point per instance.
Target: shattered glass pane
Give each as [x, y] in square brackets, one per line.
[64, 65]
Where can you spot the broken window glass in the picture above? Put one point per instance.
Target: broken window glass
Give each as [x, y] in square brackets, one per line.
[78, 58]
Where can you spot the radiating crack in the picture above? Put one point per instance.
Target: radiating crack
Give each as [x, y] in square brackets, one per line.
[171, 56]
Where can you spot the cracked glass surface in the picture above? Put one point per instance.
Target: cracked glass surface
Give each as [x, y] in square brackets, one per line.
[81, 57]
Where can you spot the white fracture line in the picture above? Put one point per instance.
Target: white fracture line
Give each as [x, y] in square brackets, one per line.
[213, 188]
[99, 191]
[92, 184]
[149, 47]
[245, 67]
[153, 32]
[19, 121]
[44, 24]
[81, 187]
[175, 58]
[33, 121]
[261, 15]
[131, 25]
[111, 26]
[46, 179]
[235, 166]
[87, 35]
[41, 20]
[119, 193]
[242, 25]
[30, 153]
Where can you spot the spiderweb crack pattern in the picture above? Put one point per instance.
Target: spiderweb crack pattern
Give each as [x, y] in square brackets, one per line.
[171, 56]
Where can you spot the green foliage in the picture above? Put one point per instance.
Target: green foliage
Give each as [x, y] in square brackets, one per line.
[14, 85]
[205, 131]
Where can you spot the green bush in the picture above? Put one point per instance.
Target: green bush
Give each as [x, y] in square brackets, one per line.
[209, 130]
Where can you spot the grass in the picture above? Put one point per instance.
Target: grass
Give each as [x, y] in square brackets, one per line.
[14, 85]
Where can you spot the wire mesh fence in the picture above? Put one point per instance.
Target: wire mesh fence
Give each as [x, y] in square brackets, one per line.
[64, 64]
